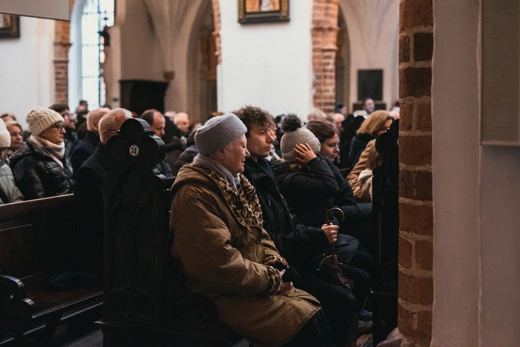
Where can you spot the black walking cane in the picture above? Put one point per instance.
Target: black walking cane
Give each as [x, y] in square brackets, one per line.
[331, 261]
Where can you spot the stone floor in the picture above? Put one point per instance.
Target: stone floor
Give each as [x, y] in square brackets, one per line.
[93, 337]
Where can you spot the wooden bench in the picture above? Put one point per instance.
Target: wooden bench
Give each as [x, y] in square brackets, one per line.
[385, 230]
[37, 242]
[146, 303]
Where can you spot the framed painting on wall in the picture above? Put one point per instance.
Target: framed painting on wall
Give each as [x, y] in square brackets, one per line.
[9, 26]
[263, 11]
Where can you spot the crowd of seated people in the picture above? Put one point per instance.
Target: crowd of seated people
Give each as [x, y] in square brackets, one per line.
[260, 219]
[44, 159]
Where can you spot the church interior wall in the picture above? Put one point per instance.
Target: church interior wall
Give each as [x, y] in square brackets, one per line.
[476, 189]
[140, 51]
[185, 91]
[373, 34]
[33, 54]
[269, 65]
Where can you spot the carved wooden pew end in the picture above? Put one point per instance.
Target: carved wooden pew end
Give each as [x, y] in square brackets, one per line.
[146, 303]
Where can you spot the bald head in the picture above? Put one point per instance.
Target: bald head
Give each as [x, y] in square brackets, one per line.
[93, 118]
[338, 120]
[182, 121]
[111, 122]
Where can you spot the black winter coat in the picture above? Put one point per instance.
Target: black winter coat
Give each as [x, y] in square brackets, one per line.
[312, 190]
[309, 190]
[37, 175]
[354, 212]
[295, 242]
[88, 192]
[186, 157]
[357, 146]
[83, 150]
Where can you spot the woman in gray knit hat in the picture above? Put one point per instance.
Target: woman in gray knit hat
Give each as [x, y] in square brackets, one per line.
[40, 167]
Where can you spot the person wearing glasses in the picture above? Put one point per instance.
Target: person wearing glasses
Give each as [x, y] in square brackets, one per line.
[40, 166]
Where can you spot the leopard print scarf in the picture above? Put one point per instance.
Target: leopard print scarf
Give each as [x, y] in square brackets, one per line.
[243, 202]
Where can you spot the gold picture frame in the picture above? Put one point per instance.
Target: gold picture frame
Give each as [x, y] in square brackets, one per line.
[263, 11]
[9, 26]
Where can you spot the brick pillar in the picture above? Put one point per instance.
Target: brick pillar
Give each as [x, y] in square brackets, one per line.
[415, 179]
[61, 60]
[216, 32]
[324, 35]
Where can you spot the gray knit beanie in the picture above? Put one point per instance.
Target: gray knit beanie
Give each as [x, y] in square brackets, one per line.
[5, 137]
[217, 132]
[294, 134]
[41, 119]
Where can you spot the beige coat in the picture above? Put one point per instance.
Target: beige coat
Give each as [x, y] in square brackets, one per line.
[227, 256]
[353, 176]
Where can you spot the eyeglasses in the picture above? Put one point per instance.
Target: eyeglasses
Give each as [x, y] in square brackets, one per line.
[59, 126]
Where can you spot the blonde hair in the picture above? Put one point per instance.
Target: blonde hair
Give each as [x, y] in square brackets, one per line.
[374, 123]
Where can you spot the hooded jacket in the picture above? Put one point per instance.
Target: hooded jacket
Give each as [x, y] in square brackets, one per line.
[225, 254]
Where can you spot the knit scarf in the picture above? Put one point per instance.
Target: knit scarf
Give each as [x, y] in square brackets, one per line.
[56, 152]
[212, 164]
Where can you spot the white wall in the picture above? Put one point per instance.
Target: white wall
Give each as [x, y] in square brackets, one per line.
[267, 65]
[26, 68]
[373, 30]
[475, 191]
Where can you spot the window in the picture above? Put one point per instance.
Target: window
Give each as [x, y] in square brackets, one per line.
[97, 14]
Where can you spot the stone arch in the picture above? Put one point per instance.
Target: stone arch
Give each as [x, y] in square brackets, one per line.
[324, 46]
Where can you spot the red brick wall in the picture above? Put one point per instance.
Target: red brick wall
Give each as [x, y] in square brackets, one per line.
[216, 33]
[324, 34]
[61, 60]
[415, 181]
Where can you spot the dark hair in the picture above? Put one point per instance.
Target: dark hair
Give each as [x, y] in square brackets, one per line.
[148, 116]
[338, 107]
[250, 115]
[59, 107]
[81, 114]
[322, 129]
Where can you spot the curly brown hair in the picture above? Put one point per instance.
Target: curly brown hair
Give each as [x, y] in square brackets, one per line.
[250, 115]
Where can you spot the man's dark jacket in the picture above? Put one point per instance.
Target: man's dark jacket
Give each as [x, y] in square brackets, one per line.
[88, 192]
[296, 242]
[83, 150]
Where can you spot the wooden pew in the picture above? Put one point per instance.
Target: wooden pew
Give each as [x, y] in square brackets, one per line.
[385, 230]
[146, 303]
[37, 241]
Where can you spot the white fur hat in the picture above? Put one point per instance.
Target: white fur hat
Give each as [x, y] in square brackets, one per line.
[5, 137]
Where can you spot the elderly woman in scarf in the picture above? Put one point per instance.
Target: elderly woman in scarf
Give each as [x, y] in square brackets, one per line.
[40, 166]
[224, 252]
